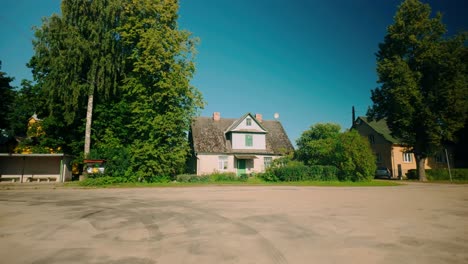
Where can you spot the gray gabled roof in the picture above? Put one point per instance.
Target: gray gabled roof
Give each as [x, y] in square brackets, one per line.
[208, 136]
[238, 121]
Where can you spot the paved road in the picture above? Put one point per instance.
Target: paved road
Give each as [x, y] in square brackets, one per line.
[405, 224]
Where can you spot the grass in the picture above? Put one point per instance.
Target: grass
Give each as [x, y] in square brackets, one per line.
[250, 182]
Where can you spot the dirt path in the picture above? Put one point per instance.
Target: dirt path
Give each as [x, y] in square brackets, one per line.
[418, 223]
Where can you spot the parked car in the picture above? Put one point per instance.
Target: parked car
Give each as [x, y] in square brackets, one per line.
[383, 173]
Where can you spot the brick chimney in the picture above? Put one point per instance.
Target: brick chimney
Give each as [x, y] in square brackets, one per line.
[259, 117]
[216, 116]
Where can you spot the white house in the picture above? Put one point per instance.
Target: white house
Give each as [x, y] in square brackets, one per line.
[243, 146]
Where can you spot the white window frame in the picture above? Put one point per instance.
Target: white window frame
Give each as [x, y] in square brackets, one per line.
[248, 121]
[223, 163]
[407, 157]
[267, 162]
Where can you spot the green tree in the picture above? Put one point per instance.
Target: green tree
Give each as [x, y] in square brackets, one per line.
[353, 157]
[161, 100]
[77, 57]
[8, 94]
[324, 144]
[28, 101]
[423, 92]
[315, 146]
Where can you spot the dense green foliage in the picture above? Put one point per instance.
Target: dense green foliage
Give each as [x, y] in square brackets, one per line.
[315, 146]
[441, 174]
[214, 177]
[126, 66]
[423, 92]
[7, 95]
[297, 171]
[353, 157]
[348, 152]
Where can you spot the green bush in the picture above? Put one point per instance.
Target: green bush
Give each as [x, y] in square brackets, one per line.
[226, 177]
[192, 178]
[293, 171]
[156, 179]
[323, 173]
[412, 175]
[104, 180]
[297, 171]
[354, 158]
[268, 176]
[443, 174]
[117, 160]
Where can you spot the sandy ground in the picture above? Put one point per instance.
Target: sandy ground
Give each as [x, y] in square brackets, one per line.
[417, 223]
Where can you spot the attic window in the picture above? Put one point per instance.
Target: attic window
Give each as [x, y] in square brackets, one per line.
[248, 121]
[371, 139]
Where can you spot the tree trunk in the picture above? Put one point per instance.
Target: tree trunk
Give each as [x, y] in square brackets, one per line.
[420, 167]
[89, 117]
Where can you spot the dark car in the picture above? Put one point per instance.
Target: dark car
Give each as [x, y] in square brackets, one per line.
[383, 173]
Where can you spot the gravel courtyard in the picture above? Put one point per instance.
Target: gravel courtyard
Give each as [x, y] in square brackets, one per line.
[416, 223]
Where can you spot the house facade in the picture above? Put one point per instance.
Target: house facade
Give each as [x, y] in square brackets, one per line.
[243, 146]
[390, 152]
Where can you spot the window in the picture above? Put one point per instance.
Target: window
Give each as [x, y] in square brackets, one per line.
[248, 141]
[248, 121]
[407, 157]
[267, 161]
[371, 139]
[223, 163]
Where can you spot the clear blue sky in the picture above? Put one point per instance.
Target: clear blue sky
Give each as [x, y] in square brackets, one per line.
[307, 60]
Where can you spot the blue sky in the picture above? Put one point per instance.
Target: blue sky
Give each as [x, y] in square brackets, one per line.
[310, 61]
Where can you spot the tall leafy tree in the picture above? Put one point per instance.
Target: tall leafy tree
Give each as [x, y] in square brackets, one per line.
[7, 95]
[162, 100]
[77, 57]
[423, 92]
[315, 146]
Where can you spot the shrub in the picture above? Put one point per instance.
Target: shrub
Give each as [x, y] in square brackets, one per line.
[443, 174]
[293, 171]
[412, 175]
[117, 160]
[268, 176]
[158, 179]
[354, 158]
[297, 171]
[226, 177]
[323, 173]
[192, 178]
[104, 180]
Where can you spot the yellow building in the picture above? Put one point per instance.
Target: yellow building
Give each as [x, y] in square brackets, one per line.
[390, 152]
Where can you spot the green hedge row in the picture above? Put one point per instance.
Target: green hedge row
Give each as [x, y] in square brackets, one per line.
[214, 177]
[301, 172]
[441, 174]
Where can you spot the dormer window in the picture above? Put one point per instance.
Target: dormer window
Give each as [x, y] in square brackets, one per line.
[248, 121]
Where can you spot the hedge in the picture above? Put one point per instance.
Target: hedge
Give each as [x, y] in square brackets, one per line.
[301, 172]
[441, 174]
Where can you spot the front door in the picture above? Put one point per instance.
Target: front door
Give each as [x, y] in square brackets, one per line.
[240, 167]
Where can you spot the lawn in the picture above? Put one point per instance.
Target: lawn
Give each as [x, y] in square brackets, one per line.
[249, 182]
